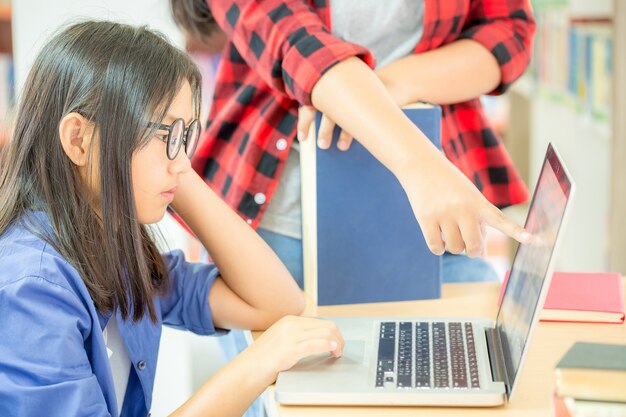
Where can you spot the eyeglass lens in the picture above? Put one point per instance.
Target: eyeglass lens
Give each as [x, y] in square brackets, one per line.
[175, 138]
[193, 134]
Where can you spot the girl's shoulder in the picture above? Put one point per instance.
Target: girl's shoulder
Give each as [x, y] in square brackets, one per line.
[24, 253]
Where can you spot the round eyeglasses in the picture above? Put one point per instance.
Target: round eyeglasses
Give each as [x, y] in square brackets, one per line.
[177, 134]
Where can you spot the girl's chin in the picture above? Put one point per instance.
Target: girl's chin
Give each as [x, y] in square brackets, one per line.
[153, 217]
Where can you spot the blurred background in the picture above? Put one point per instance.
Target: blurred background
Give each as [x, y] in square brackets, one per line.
[573, 94]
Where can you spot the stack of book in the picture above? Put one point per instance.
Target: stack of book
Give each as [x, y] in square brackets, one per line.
[573, 59]
[591, 381]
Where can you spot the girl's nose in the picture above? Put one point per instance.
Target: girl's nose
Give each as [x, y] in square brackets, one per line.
[180, 164]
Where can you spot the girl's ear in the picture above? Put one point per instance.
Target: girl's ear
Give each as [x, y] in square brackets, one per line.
[76, 133]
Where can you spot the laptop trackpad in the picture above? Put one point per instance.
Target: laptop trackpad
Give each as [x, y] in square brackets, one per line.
[353, 353]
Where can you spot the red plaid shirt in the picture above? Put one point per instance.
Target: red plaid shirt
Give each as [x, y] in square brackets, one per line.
[278, 50]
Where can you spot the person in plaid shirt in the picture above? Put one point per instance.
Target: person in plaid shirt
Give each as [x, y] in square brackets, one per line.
[284, 58]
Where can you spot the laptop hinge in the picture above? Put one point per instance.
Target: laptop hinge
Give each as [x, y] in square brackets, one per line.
[496, 356]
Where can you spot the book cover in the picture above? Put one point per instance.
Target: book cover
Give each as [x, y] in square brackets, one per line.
[361, 241]
[593, 371]
[585, 297]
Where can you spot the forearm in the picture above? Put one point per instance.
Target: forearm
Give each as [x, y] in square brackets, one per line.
[230, 391]
[353, 96]
[454, 73]
[247, 264]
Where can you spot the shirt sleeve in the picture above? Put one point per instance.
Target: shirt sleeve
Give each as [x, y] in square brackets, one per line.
[187, 304]
[44, 368]
[506, 28]
[285, 41]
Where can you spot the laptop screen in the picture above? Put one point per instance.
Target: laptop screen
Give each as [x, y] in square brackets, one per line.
[532, 262]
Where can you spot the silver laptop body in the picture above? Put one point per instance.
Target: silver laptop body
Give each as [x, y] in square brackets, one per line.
[447, 361]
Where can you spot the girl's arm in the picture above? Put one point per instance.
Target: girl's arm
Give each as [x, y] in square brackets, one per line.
[493, 50]
[448, 207]
[254, 289]
[457, 72]
[231, 391]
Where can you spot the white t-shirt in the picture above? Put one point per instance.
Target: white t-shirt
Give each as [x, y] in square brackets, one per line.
[118, 358]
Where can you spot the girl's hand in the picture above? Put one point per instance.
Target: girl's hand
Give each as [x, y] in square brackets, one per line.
[451, 211]
[306, 117]
[293, 338]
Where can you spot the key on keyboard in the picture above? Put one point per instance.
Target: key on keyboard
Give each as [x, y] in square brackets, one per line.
[429, 355]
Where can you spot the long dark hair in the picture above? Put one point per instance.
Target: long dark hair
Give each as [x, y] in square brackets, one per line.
[120, 77]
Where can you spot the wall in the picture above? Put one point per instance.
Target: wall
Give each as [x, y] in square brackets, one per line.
[35, 20]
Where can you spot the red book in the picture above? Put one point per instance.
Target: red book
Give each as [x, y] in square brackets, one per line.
[560, 407]
[587, 297]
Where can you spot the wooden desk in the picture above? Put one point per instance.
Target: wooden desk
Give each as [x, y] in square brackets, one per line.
[533, 396]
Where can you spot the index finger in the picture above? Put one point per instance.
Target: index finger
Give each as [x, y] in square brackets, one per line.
[500, 221]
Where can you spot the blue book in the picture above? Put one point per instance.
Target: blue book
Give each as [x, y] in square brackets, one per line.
[361, 241]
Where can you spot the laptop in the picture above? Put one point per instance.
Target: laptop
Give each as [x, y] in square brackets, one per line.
[447, 361]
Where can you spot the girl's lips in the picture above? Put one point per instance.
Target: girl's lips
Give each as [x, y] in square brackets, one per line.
[169, 194]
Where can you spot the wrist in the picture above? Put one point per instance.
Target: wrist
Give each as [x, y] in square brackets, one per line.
[265, 369]
[423, 159]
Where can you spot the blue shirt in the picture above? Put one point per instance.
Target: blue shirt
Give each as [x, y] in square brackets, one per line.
[53, 358]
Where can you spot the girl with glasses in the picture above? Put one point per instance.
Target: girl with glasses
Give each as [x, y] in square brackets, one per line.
[105, 127]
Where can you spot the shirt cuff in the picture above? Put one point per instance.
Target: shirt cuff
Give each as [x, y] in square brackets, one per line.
[311, 56]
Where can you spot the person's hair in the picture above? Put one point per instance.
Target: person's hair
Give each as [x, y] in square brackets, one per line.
[120, 78]
[195, 18]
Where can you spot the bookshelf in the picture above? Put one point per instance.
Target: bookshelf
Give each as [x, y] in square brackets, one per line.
[571, 96]
[617, 223]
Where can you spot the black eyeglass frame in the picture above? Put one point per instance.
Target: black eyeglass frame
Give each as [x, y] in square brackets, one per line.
[184, 137]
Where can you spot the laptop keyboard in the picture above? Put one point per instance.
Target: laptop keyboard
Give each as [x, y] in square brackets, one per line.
[427, 355]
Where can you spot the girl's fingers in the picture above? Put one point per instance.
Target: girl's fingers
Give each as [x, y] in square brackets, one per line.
[472, 234]
[328, 335]
[432, 235]
[306, 116]
[498, 220]
[452, 237]
[325, 133]
[317, 346]
[345, 140]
